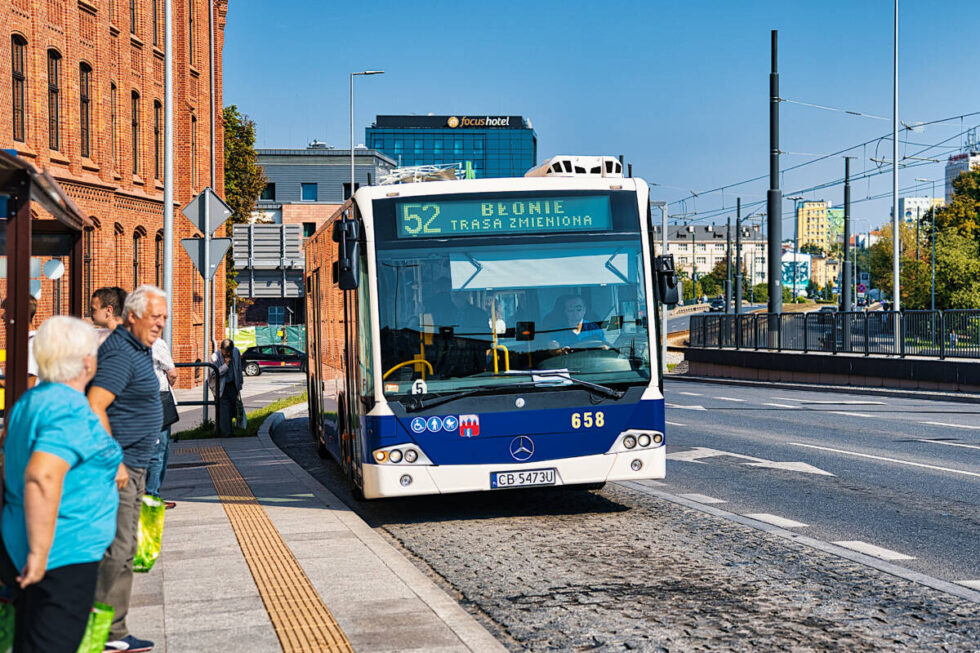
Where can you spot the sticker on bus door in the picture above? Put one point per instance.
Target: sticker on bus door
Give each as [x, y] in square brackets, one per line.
[469, 426]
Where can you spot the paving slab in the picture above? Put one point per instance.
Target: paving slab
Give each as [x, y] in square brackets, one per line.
[202, 593]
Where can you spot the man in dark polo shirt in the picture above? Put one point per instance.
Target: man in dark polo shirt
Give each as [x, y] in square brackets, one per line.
[125, 394]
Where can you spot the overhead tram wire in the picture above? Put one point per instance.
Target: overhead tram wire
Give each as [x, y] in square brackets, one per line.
[859, 114]
[959, 117]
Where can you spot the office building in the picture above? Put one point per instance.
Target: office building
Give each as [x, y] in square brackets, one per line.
[698, 248]
[913, 209]
[492, 146]
[83, 100]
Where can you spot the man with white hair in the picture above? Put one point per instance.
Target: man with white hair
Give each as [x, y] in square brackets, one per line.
[125, 394]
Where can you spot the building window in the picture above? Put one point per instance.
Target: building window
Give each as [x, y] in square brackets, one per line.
[156, 22]
[308, 192]
[191, 53]
[193, 152]
[88, 258]
[135, 110]
[118, 243]
[137, 256]
[701, 260]
[113, 114]
[309, 228]
[158, 260]
[18, 49]
[157, 136]
[132, 16]
[277, 315]
[85, 109]
[347, 190]
[269, 192]
[54, 100]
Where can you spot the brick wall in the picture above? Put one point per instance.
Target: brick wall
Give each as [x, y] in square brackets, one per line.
[126, 205]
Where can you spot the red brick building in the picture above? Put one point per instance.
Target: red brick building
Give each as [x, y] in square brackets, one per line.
[81, 96]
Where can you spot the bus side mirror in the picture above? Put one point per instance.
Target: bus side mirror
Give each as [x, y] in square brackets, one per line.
[666, 279]
[345, 234]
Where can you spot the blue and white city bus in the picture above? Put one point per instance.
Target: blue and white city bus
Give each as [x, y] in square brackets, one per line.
[490, 333]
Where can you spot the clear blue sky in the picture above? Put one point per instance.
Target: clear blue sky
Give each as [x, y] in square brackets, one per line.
[678, 87]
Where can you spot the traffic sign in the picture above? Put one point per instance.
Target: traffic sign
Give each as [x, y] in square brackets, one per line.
[217, 209]
[195, 249]
[862, 288]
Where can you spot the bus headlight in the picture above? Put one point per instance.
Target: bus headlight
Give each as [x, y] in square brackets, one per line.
[395, 455]
[411, 455]
[644, 440]
[658, 438]
[629, 442]
[381, 456]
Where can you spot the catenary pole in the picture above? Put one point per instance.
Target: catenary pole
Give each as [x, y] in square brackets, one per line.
[214, 131]
[728, 266]
[168, 170]
[738, 256]
[774, 199]
[896, 235]
[845, 283]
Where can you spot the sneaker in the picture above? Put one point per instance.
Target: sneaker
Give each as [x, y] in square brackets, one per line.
[128, 643]
[167, 505]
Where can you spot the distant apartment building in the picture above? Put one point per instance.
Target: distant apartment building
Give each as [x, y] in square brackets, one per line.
[815, 224]
[698, 248]
[824, 270]
[959, 163]
[913, 209]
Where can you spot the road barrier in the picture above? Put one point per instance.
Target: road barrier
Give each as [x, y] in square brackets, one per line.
[937, 334]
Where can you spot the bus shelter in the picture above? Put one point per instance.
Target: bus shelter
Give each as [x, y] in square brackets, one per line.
[30, 243]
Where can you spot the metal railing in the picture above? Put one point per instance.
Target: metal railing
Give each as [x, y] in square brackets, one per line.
[213, 401]
[941, 334]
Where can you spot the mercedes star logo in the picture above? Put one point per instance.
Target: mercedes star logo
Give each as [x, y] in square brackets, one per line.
[521, 448]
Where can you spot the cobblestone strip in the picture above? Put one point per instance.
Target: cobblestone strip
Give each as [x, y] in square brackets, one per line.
[302, 622]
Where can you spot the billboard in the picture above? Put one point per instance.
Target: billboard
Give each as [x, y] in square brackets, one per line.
[802, 268]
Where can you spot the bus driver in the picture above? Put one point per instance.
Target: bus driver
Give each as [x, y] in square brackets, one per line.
[573, 328]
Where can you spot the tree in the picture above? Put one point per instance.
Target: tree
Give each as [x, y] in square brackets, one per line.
[811, 248]
[244, 182]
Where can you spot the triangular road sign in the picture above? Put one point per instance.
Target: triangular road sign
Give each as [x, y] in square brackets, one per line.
[219, 211]
[195, 249]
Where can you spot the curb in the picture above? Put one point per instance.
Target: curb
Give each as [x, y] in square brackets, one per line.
[851, 389]
[469, 631]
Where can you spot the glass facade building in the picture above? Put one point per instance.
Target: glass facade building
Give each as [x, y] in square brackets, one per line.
[494, 146]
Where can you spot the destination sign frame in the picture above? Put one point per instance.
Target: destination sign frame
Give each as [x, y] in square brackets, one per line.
[451, 218]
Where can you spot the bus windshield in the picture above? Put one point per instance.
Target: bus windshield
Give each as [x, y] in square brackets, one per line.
[499, 311]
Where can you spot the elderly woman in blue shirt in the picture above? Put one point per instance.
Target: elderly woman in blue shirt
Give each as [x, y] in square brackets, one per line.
[62, 471]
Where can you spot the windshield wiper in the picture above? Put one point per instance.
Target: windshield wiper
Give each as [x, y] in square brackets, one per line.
[416, 404]
[560, 375]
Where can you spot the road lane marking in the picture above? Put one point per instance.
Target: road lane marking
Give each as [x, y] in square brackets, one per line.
[690, 394]
[697, 453]
[953, 426]
[701, 498]
[972, 584]
[846, 414]
[952, 444]
[890, 460]
[834, 402]
[782, 522]
[781, 405]
[872, 550]
[730, 399]
[681, 407]
[673, 423]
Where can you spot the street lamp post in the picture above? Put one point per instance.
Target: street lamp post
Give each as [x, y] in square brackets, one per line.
[352, 76]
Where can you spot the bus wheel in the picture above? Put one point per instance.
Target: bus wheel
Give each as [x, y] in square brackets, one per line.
[321, 450]
[591, 486]
[355, 490]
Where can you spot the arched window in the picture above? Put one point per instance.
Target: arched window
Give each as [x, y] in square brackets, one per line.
[113, 115]
[54, 100]
[138, 237]
[132, 16]
[85, 109]
[118, 253]
[194, 176]
[191, 42]
[18, 67]
[135, 110]
[157, 139]
[89, 238]
[158, 267]
[156, 22]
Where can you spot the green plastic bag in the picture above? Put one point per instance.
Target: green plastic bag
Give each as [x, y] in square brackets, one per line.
[97, 629]
[6, 626]
[150, 534]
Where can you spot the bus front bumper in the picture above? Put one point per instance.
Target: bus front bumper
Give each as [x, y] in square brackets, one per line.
[389, 480]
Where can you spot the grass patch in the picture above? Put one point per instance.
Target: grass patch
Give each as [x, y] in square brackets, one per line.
[671, 366]
[255, 419]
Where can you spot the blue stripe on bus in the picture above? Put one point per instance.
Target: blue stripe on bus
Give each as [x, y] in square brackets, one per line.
[550, 429]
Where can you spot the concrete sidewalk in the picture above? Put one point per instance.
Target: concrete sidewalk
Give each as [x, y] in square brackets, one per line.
[216, 585]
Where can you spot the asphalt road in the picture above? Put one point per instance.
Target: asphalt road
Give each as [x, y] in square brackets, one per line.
[901, 474]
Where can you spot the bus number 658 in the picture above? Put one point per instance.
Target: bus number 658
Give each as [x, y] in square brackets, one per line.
[588, 420]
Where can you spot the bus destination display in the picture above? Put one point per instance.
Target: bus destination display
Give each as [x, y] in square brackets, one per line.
[448, 218]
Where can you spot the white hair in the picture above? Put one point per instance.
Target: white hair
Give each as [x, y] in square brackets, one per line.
[138, 300]
[60, 345]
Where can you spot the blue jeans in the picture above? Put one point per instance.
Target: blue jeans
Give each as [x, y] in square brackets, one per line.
[157, 469]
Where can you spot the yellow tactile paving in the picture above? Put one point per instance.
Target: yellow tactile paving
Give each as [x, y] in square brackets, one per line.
[301, 620]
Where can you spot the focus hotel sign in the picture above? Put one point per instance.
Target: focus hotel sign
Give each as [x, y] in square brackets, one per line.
[478, 121]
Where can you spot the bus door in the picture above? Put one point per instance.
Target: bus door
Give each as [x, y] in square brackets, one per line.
[314, 373]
